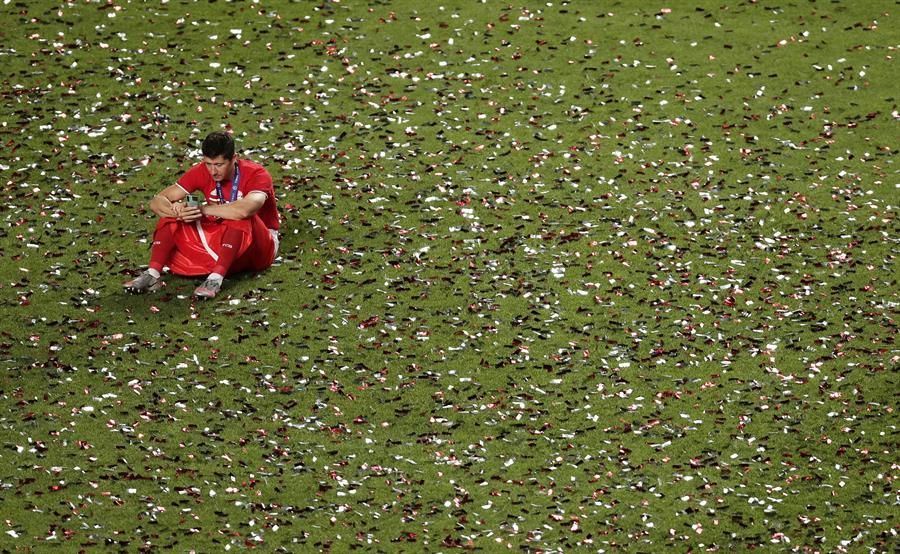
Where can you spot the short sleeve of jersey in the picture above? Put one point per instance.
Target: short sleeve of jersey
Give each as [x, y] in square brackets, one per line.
[195, 178]
[258, 180]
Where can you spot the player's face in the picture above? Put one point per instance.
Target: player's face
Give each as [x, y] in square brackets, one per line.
[220, 167]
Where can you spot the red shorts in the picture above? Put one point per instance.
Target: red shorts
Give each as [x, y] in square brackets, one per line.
[197, 244]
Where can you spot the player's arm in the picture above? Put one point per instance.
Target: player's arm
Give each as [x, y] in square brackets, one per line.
[244, 208]
[166, 202]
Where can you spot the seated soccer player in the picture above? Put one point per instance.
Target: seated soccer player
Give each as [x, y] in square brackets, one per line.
[235, 230]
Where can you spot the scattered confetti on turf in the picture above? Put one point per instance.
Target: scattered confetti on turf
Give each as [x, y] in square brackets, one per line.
[581, 276]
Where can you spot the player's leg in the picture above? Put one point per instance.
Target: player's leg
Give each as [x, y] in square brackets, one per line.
[235, 240]
[160, 252]
[232, 241]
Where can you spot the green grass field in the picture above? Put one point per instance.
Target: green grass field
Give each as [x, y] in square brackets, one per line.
[571, 277]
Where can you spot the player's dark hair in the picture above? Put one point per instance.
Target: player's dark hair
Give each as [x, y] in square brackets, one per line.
[218, 143]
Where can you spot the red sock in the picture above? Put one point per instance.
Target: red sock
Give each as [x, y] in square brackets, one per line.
[231, 242]
[163, 244]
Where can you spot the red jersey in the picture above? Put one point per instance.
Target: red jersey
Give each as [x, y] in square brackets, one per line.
[251, 177]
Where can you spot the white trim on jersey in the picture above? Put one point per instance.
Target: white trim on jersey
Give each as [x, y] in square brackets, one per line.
[209, 250]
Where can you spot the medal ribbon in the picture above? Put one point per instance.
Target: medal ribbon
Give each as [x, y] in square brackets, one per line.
[234, 186]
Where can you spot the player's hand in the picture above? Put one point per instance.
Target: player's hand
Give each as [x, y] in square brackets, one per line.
[186, 213]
